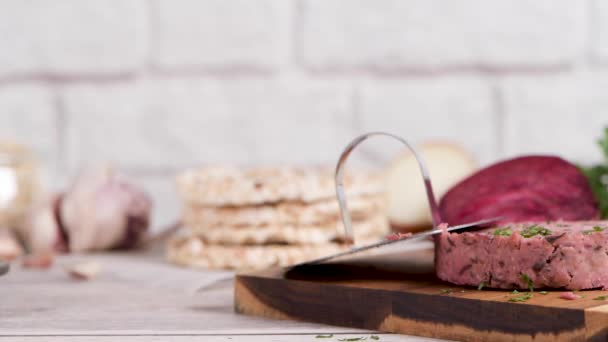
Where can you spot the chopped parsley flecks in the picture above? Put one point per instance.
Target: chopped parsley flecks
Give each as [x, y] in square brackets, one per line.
[544, 292]
[325, 336]
[534, 230]
[445, 291]
[594, 230]
[601, 298]
[481, 285]
[521, 298]
[526, 279]
[503, 231]
[374, 337]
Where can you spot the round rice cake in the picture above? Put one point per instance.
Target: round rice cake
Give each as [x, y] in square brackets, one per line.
[370, 230]
[231, 186]
[283, 213]
[193, 252]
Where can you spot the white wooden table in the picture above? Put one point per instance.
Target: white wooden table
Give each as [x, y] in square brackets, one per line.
[139, 297]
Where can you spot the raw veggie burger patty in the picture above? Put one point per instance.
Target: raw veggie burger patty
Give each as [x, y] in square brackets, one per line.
[571, 255]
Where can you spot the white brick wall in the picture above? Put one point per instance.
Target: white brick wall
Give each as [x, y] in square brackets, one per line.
[28, 113]
[395, 34]
[69, 37]
[177, 123]
[217, 34]
[432, 109]
[156, 85]
[599, 32]
[560, 115]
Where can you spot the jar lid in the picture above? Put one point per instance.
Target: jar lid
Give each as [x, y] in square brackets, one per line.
[13, 153]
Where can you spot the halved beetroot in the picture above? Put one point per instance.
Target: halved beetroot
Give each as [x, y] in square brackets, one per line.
[531, 188]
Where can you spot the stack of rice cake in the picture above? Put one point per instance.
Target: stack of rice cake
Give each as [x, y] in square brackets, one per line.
[261, 217]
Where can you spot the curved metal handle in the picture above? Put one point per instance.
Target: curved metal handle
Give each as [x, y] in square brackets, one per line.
[339, 178]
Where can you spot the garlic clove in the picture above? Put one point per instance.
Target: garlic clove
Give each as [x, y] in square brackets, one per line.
[43, 232]
[84, 271]
[39, 260]
[9, 246]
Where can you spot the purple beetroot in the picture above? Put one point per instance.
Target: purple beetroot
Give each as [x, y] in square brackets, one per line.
[531, 188]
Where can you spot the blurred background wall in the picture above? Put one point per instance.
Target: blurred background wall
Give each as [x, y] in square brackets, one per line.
[158, 85]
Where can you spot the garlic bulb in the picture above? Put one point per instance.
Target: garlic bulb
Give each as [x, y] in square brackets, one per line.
[43, 232]
[101, 210]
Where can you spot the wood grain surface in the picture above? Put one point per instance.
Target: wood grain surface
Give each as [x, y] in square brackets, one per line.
[140, 297]
[373, 296]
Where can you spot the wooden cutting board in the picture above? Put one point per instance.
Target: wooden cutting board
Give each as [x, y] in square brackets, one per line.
[402, 295]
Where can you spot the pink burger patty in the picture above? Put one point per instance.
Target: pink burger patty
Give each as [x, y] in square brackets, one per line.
[570, 255]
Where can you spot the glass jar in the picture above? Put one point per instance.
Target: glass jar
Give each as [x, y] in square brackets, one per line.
[18, 184]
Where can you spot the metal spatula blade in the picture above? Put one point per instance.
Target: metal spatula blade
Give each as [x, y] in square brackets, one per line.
[347, 221]
[382, 243]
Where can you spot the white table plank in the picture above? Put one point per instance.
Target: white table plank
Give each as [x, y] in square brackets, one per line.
[136, 295]
[227, 338]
